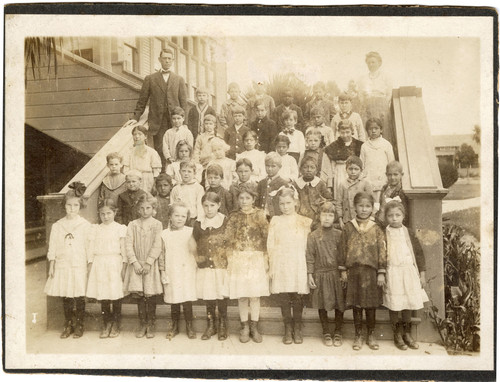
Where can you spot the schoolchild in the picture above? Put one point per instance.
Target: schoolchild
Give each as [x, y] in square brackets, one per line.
[189, 192]
[289, 168]
[313, 148]
[286, 246]
[127, 200]
[68, 257]
[178, 132]
[319, 93]
[215, 176]
[259, 96]
[202, 153]
[272, 182]
[163, 186]
[244, 171]
[264, 127]
[297, 141]
[233, 135]
[257, 157]
[226, 115]
[392, 190]
[197, 113]
[288, 105]
[219, 150]
[346, 112]
[114, 183]
[318, 122]
[184, 151]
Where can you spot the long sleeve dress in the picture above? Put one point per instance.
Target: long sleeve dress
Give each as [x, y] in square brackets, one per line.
[149, 164]
[105, 279]
[375, 155]
[143, 244]
[68, 246]
[286, 246]
[322, 255]
[246, 235]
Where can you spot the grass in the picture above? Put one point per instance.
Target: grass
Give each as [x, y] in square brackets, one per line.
[463, 190]
[469, 220]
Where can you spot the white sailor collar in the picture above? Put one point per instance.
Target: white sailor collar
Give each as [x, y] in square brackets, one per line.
[215, 222]
[301, 183]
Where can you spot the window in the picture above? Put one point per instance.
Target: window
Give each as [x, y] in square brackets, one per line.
[86, 54]
[182, 70]
[185, 43]
[130, 58]
[175, 40]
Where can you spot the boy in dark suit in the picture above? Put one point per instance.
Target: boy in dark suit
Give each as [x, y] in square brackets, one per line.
[264, 127]
[267, 188]
[234, 134]
[198, 112]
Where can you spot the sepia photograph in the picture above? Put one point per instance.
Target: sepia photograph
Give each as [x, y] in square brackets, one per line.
[257, 188]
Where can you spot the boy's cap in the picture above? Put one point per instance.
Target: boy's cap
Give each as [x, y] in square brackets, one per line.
[344, 97]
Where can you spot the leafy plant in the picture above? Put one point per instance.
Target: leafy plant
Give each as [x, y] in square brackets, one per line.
[449, 174]
[460, 329]
[38, 52]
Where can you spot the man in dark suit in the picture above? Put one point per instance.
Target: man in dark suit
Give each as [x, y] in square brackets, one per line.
[164, 90]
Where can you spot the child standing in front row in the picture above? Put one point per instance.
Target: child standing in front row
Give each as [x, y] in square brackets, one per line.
[405, 278]
[108, 262]
[363, 266]
[178, 269]
[323, 256]
[289, 170]
[248, 264]
[376, 153]
[114, 183]
[211, 275]
[142, 277]
[68, 255]
[286, 245]
[189, 192]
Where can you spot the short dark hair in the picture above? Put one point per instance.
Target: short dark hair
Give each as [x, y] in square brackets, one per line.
[178, 111]
[167, 50]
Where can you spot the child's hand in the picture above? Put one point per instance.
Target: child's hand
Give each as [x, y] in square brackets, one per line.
[137, 268]
[146, 269]
[343, 278]
[52, 268]
[200, 260]
[310, 281]
[381, 280]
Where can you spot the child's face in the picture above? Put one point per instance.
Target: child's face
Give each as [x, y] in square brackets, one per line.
[246, 201]
[179, 217]
[234, 93]
[353, 171]
[281, 148]
[326, 219]
[209, 126]
[177, 120]
[133, 183]
[345, 135]
[249, 143]
[210, 208]
[138, 136]
[272, 168]
[114, 166]
[244, 173]
[313, 142]
[288, 99]
[319, 93]
[363, 209]
[146, 210]
[184, 153]
[107, 215]
[345, 106]
[374, 131]
[72, 207]
[163, 188]
[318, 119]
[219, 152]
[287, 205]
[187, 174]
[214, 180]
[260, 111]
[394, 176]
[238, 118]
[394, 217]
[289, 122]
[308, 170]
[373, 64]
[202, 98]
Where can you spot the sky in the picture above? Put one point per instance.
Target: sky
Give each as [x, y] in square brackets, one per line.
[447, 69]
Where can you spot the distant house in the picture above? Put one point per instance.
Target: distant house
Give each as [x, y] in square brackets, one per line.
[446, 146]
[69, 119]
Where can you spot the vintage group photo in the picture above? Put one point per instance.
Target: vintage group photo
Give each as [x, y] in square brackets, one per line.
[253, 198]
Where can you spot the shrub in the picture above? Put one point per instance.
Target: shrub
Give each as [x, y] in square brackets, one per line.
[449, 174]
[459, 330]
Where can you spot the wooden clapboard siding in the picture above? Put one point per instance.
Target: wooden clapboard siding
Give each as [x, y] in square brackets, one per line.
[84, 107]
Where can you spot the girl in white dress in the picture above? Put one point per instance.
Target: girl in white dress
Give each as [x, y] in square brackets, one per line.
[178, 269]
[107, 263]
[255, 156]
[286, 245]
[405, 277]
[68, 255]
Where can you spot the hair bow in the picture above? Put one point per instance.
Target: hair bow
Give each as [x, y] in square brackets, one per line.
[290, 187]
[78, 188]
[396, 199]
